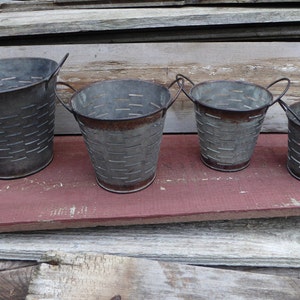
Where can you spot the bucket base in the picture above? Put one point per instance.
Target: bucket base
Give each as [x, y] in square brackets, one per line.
[293, 174]
[225, 168]
[125, 189]
[16, 176]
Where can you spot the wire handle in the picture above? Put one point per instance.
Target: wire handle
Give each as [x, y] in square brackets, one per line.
[183, 77]
[180, 83]
[66, 105]
[55, 72]
[284, 91]
[287, 108]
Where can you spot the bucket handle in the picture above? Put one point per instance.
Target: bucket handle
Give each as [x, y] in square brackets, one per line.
[66, 105]
[55, 72]
[284, 91]
[180, 82]
[270, 85]
[180, 76]
[287, 108]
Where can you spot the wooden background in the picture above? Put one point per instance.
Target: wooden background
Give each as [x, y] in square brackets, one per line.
[104, 46]
[256, 62]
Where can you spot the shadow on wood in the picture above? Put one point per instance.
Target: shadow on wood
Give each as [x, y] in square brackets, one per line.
[14, 279]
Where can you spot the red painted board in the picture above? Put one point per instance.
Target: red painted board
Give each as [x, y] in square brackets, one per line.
[65, 194]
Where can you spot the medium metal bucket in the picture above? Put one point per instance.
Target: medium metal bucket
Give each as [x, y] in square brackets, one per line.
[293, 157]
[27, 106]
[229, 116]
[122, 124]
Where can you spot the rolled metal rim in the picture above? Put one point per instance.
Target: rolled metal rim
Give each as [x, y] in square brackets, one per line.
[198, 101]
[42, 80]
[126, 189]
[292, 110]
[76, 112]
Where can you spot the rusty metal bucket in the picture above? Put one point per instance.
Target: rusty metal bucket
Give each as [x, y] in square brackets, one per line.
[122, 124]
[229, 116]
[293, 157]
[27, 106]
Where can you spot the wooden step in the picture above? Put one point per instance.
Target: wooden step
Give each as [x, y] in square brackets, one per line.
[88, 276]
[65, 194]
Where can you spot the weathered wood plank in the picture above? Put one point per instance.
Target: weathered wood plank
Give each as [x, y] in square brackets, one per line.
[240, 33]
[259, 63]
[20, 5]
[245, 243]
[7, 265]
[83, 20]
[286, 272]
[14, 279]
[88, 276]
[65, 194]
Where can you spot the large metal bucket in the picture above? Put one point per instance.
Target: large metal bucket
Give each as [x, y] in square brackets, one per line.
[293, 157]
[122, 124]
[229, 116]
[27, 105]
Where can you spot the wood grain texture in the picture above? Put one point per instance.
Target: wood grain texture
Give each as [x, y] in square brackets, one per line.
[104, 277]
[14, 279]
[65, 194]
[272, 243]
[19, 5]
[259, 63]
[83, 20]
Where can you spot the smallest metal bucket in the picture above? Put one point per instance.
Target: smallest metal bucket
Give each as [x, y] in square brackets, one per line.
[122, 124]
[229, 116]
[293, 157]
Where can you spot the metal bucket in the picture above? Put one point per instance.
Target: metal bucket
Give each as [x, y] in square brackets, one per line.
[293, 159]
[122, 124]
[229, 116]
[27, 105]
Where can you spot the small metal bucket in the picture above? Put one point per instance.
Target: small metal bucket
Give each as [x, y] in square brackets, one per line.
[122, 124]
[229, 116]
[27, 106]
[293, 115]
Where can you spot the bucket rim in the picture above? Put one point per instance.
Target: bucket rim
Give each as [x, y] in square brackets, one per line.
[76, 112]
[290, 115]
[196, 101]
[44, 79]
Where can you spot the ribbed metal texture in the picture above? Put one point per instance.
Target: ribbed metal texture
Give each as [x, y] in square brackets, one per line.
[293, 162]
[229, 117]
[27, 109]
[227, 145]
[122, 124]
[124, 160]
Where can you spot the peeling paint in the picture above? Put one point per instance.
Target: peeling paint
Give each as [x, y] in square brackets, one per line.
[295, 202]
[72, 211]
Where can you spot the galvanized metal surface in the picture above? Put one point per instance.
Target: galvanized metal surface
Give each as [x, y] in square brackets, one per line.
[122, 124]
[27, 106]
[229, 116]
[227, 143]
[293, 159]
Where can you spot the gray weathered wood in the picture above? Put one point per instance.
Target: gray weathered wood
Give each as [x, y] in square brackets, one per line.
[83, 20]
[19, 5]
[260, 63]
[261, 242]
[87, 276]
[14, 279]
[286, 272]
